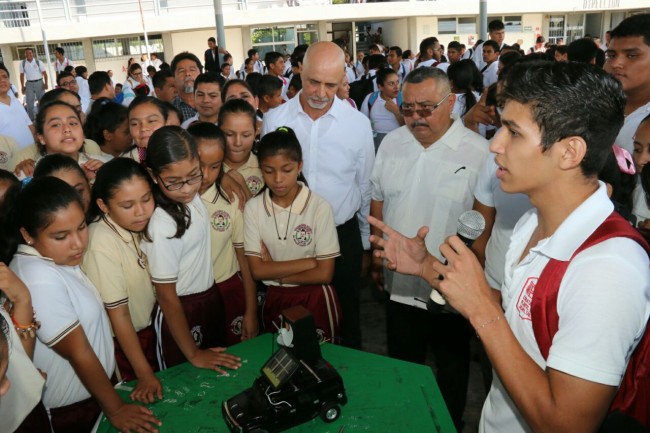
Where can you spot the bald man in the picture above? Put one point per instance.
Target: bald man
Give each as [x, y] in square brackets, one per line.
[338, 154]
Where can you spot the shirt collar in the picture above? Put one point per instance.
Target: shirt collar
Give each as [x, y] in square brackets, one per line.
[578, 226]
[451, 138]
[28, 250]
[125, 235]
[299, 203]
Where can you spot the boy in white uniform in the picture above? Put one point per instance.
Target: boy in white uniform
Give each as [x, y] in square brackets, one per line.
[551, 148]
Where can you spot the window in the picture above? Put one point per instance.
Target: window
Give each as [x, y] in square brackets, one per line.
[555, 28]
[73, 51]
[467, 25]
[130, 46]
[512, 23]
[283, 39]
[447, 26]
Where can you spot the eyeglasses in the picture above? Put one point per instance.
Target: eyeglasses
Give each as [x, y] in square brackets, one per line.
[408, 110]
[66, 84]
[178, 185]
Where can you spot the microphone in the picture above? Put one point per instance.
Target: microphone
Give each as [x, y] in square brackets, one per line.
[470, 226]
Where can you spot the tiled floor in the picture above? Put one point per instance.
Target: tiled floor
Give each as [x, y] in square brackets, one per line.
[374, 340]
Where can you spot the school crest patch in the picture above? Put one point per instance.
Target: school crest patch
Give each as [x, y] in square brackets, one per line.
[220, 221]
[235, 325]
[254, 184]
[197, 335]
[302, 235]
[4, 157]
[526, 298]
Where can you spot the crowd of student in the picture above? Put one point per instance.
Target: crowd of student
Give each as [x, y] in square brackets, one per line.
[163, 219]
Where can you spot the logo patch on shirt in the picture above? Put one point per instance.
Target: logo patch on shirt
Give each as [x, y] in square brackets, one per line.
[254, 184]
[4, 157]
[526, 298]
[236, 324]
[302, 235]
[220, 221]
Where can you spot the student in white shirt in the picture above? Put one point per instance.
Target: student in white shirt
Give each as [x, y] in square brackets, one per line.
[491, 63]
[14, 121]
[383, 106]
[74, 344]
[177, 244]
[33, 80]
[290, 238]
[61, 61]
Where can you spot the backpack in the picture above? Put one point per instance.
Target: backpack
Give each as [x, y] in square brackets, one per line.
[38, 63]
[633, 396]
[360, 89]
[375, 95]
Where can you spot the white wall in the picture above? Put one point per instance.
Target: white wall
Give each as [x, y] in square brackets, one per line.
[395, 32]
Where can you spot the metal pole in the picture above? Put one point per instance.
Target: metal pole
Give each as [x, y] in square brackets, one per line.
[146, 38]
[50, 75]
[218, 16]
[483, 20]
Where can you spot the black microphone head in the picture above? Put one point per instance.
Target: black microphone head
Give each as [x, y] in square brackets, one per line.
[470, 225]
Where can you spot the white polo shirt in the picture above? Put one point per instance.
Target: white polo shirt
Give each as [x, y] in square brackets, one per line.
[115, 264]
[477, 55]
[382, 120]
[603, 304]
[509, 208]
[33, 70]
[226, 233]
[625, 137]
[60, 66]
[184, 261]
[338, 154]
[443, 66]
[15, 123]
[490, 74]
[308, 226]
[425, 187]
[64, 299]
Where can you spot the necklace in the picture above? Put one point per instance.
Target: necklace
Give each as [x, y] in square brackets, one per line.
[286, 232]
[142, 258]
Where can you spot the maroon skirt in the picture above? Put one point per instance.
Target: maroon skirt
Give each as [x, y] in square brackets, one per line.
[147, 339]
[78, 417]
[321, 301]
[204, 314]
[234, 307]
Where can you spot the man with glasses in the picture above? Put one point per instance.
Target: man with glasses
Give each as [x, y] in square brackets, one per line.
[67, 81]
[431, 54]
[424, 175]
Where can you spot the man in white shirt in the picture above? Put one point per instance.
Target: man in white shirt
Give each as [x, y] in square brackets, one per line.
[338, 155]
[358, 65]
[431, 54]
[497, 32]
[628, 60]
[33, 80]
[155, 61]
[395, 61]
[555, 162]
[424, 174]
[61, 61]
[491, 61]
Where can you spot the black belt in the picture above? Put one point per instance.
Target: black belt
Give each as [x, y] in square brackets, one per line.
[33, 81]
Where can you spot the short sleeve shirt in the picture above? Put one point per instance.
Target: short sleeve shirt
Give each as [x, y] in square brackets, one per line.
[117, 266]
[305, 229]
[14, 122]
[252, 174]
[184, 261]
[226, 233]
[64, 299]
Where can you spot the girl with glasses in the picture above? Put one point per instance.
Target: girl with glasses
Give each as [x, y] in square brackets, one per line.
[188, 318]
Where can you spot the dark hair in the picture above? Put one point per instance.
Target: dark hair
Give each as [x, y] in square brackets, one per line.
[562, 49]
[383, 74]
[237, 106]
[645, 182]
[69, 69]
[207, 131]
[454, 45]
[582, 50]
[268, 85]
[496, 25]
[39, 122]
[109, 178]
[62, 74]
[151, 70]
[224, 65]
[7, 210]
[142, 100]
[209, 77]
[622, 185]
[493, 44]
[231, 83]
[105, 115]
[164, 66]
[463, 75]
[227, 57]
[272, 57]
[398, 50]
[636, 25]
[168, 145]
[427, 43]
[376, 61]
[120, 85]
[185, 55]
[50, 164]
[540, 40]
[171, 108]
[248, 61]
[97, 81]
[419, 75]
[212, 39]
[555, 93]
[60, 50]
[251, 52]
[80, 70]
[4, 68]
[296, 82]
[160, 79]
[55, 95]
[281, 141]
[134, 67]
[253, 80]
[508, 60]
[406, 54]
[38, 200]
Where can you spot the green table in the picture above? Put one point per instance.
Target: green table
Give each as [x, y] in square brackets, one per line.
[384, 395]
